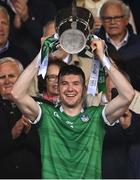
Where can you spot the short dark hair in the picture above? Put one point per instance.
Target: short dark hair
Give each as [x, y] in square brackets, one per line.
[72, 69]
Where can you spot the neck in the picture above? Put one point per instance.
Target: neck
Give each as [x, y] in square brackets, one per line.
[72, 111]
[119, 38]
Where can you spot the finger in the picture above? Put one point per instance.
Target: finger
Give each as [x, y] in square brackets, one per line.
[25, 123]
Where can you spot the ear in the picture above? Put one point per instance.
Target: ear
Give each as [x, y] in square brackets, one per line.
[58, 88]
[84, 90]
[126, 21]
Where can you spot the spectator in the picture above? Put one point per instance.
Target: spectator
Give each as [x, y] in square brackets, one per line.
[94, 6]
[50, 92]
[120, 142]
[19, 141]
[126, 135]
[71, 137]
[6, 47]
[29, 20]
[120, 39]
[115, 145]
[132, 134]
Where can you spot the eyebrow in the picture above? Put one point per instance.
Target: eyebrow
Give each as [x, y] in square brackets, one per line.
[13, 74]
[112, 17]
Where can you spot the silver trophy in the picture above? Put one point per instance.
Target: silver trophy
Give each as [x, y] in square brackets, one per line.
[73, 26]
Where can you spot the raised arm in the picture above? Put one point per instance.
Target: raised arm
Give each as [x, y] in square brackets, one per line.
[19, 94]
[117, 106]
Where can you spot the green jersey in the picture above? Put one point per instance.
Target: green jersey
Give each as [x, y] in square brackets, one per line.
[71, 146]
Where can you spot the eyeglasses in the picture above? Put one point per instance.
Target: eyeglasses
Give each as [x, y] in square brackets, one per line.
[52, 77]
[108, 19]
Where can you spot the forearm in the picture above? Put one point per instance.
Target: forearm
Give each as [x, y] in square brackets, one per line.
[117, 106]
[123, 86]
[24, 81]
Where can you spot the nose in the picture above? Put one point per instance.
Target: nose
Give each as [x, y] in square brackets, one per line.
[70, 88]
[1, 25]
[7, 79]
[112, 21]
[56, 80]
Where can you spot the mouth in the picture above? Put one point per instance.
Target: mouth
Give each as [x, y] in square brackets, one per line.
[113, 27]
[2, 34]
[70, 95]
[8, 87]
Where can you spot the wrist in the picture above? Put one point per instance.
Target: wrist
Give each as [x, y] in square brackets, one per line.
[106, 62]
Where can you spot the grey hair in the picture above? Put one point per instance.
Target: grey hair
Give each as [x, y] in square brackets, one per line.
[10, 59]
[125, 8]
[2, 8]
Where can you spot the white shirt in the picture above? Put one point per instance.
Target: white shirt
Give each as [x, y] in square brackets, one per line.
[119, 44]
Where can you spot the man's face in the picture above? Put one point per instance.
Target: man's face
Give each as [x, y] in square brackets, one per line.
[114, 21]
[4, 28]
[71, 90]
[9, 73]
[52, 80]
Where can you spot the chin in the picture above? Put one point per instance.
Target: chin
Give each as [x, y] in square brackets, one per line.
[114, 32]
[71, 104]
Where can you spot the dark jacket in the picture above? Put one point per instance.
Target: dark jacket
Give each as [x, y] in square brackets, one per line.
[115, 153]
[133, 135]
[17, 53]
[127, 57]
[19, 158]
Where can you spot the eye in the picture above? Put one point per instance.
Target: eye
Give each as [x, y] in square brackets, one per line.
[76, 83]
[63, 83]
[2, 77]
[11, 75]
[52, 77]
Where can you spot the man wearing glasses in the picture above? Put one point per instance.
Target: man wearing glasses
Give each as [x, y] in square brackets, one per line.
[122, 43]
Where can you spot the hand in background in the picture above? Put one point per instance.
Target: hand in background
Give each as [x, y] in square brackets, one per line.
[125, 120]
[21, 8]
[22, 125]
